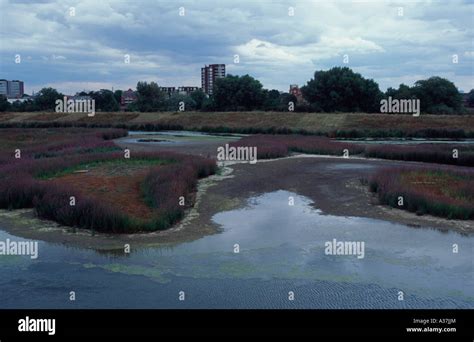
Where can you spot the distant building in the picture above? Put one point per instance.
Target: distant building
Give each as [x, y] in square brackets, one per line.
[78, 97]
[4, 88]
[16, 89]
[209, 74]
[187, 90]
[296, 91]
[12, 89]
[170, 91]
[128, 97]
[24, 98]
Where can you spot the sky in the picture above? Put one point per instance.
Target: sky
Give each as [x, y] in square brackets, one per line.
[83, 45]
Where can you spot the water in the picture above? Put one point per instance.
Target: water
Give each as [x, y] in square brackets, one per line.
[177, 137]
[281, 250]
[182, 133]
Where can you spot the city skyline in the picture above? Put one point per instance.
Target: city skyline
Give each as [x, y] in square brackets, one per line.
[169, 43]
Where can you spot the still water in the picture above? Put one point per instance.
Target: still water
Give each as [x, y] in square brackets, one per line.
[281, 249]
[175, 138]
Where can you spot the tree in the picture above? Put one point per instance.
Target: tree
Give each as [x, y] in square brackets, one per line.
[118, 95]
[150, 97]
[198, 97]
[208, 105]
[24, 106]
[271, 100]
[403, 92]
[237, 93]
[105, 100]
[438, 96]
[46, 99]
[4, 104]
[341, 89]
[174, 103]
[286, 98]
[470, 98]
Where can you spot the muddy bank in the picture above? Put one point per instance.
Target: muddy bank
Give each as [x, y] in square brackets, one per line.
[23, 223]
[333, 183]
[203, 145]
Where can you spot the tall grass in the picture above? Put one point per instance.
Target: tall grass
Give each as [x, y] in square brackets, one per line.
[450, 196]
[29, 183]
[429, 153]
[272, 146]
[88, 213]
[165, 187]
[425, 133]
[321, 145]
[245, 128]
[277, 146]
[52, 144]
[19, 190]
[268, 147]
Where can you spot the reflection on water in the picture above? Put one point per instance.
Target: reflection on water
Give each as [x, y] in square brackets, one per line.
[349, 166]
[176, 137]
[281, 249]
[184, 134]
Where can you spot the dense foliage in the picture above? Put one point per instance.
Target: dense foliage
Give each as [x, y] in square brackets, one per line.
[338, 89]
[437, 95]
[341, 89]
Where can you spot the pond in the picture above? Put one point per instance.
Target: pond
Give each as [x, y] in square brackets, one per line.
[177, 137]
[282, 250]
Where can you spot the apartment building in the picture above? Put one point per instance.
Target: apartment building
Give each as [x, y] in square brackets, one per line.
[12, 89]
[209, 74]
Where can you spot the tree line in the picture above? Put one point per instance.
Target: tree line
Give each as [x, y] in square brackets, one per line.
[339, 89]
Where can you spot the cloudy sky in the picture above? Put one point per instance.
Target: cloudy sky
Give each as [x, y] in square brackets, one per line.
[81, 45]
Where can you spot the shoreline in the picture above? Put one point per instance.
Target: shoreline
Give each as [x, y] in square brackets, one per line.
[24, 224]
[338, 193]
